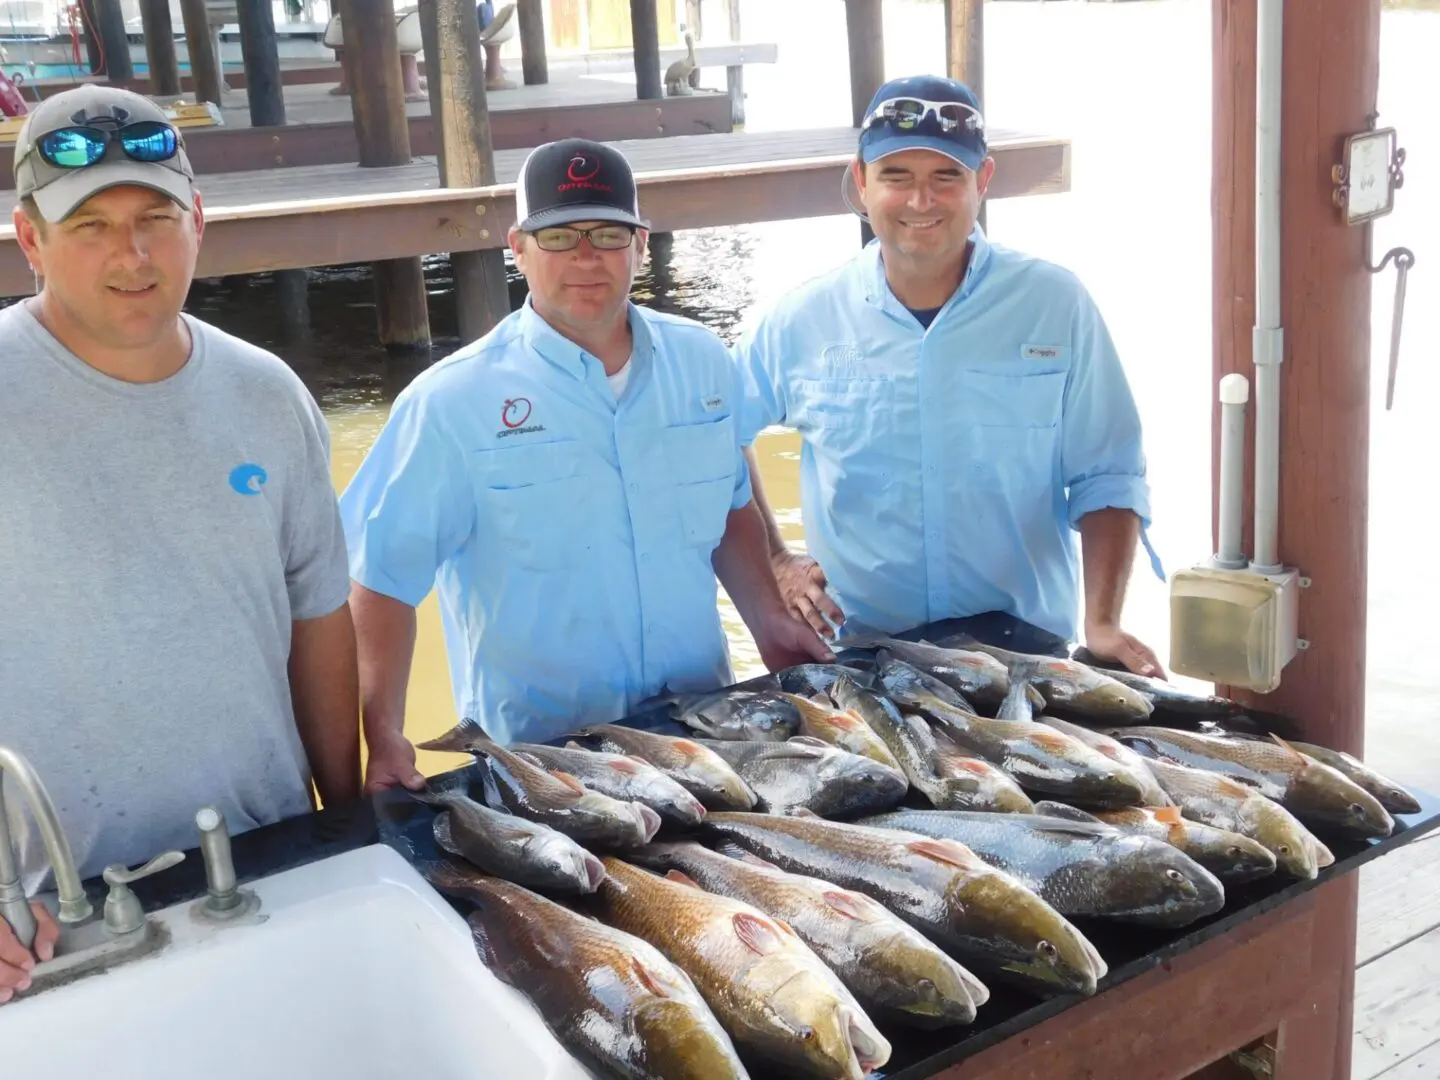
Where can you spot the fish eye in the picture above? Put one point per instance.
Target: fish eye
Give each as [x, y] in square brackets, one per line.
[1048, 950]
[1357, 809]
[1234, 851]
[1283, 849]
[806, 1034]
[1174, 875]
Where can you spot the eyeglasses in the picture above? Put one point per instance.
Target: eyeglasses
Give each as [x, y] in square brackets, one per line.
[79, 147]
[907, 114]
[601, 237]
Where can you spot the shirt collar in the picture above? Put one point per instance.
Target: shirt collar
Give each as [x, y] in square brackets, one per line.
[877, 289]
[555, 347]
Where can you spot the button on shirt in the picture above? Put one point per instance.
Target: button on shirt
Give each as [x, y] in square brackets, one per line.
[569, 535]
[944, 470]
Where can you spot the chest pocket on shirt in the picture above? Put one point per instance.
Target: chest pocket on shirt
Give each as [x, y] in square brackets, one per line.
[843, 415]
[1012, 427]
[700, 462]
[529, 496]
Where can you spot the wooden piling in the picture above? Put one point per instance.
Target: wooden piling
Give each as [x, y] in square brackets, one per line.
[160, 48]
[532, 42]
[1330, 80]
[377, 103]
[204, 63]
[735, 75]
[645, 37]
[110, 24]
[456, 83]
[965, 52]
[865, 30]
[261, 53]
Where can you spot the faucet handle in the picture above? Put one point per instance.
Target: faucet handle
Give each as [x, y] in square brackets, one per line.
[123, 913]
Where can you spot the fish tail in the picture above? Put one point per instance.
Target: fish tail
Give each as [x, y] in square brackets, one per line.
[466, 737]
[454, 878]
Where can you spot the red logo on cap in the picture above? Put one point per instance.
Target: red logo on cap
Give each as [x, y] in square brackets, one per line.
[578, 166]
[515, 412]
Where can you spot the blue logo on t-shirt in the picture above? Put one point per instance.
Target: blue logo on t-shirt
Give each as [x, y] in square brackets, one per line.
[248, 479]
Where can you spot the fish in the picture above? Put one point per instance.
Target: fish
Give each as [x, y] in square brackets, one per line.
[555, 798]
[1231, 857]
[807, 680]
[914, 746]
[902, 683]
[982, 916]
[1391, 795]
[514, 848]
[1075, 687]
[894, 971]
[613, 1000]
[1078, 868]
[690, 765]
[843, 729]
[1167, 697]
[1039, 757]
[1023, 701]
[807, 774]
[980, 678]
[1151, 793]
[781, 1005]
[620, 776]
[1219, 801]
[737, 714]
[1315, 793]
[989, 786]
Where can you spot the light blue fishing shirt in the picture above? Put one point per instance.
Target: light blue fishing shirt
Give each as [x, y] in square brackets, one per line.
[944, 471]
[569, 536]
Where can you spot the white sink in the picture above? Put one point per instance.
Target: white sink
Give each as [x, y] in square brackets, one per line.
[359, 970]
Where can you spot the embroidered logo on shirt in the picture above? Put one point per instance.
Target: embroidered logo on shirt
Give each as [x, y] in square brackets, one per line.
[514, 414]
[248, 479]
[1041, 352]
[713, 403]
[842, 358]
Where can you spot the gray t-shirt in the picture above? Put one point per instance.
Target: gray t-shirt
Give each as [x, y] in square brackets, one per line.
[156, 540]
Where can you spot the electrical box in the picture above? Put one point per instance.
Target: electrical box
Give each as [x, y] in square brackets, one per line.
[1234, 627]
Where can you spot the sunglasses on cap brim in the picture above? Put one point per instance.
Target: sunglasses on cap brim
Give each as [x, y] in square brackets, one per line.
[954, 118]
[85, 145]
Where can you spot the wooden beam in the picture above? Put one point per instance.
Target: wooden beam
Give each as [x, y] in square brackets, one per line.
[532, 41]
[159, 33]
[204, 64]
[645, 37]
[1330, 78]
[965, 44]
[865, 29]
[735, 73]
[110, 23]
[261, 53]
[467, 159]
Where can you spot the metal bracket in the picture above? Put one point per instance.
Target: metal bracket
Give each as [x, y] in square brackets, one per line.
[1370, 174]
[1259, 1062]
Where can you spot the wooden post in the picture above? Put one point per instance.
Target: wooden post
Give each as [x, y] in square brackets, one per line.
[377, 102]
[645, 35]
[456, 83]
[965, 51]
[735, 76]
[160, 48]
[532, 41]
[204, 63]
[865, 29]
[110, 23]
[1330, 80]
[90, 23]
[261, 54]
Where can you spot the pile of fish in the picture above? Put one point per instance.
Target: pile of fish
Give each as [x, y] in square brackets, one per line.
[879, 841]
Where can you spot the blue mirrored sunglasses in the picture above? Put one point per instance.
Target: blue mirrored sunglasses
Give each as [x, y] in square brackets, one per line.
[954, 118]
[78, 147]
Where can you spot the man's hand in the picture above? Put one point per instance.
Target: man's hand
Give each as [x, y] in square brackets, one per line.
[1109, 642]
[392, 764]
[802, 585]
[784, 641]
[15, 961]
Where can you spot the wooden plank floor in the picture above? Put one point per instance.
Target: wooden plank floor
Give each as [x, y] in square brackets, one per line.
[1397, 983]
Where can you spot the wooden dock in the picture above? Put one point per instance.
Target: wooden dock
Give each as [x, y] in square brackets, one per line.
[327, 215]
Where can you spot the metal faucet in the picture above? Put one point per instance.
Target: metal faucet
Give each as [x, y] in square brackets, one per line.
[74, 904]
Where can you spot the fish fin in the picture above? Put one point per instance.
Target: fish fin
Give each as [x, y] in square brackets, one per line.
[682, 878]
[944, 851]
[573, 745]
[443, 837]
[739, 854]
[485, 949]
[466, 737]
[1050, 808]
[758, 935]
[847, 904]
[1169, 815]
[803, 812]
[570, 782]
[1052, 740]
[1037, 699]
[808, 742]
[530, 759]
[627, 765]
[1286, 746]
[689, 748]
[651, 980]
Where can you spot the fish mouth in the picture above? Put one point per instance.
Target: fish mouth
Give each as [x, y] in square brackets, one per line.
[594, 871]
[649, 820]
[868, 1046]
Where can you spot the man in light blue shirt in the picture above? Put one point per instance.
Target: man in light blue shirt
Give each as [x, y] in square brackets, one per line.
[962, 407]
[571, 483]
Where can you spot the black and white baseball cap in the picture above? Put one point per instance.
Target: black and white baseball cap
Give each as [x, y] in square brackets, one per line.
[576, 180]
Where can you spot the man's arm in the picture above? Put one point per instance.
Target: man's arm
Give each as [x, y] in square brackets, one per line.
[385, 630]
[774, 541]
[323, 690]
[741, 563]
[1107, 548]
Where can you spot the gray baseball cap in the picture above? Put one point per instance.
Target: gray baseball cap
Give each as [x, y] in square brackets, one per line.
[59, 192]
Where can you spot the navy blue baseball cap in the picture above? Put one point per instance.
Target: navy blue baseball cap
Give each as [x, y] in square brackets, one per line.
[925, 112]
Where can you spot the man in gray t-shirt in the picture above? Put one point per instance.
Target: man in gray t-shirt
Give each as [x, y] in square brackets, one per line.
[173, 621]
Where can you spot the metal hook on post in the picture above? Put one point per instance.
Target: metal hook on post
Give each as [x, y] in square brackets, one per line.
[1404, 260]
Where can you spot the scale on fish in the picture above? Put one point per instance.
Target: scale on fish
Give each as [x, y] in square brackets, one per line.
[697, 770]
[621, 776]
[734, 714]
[805, 774]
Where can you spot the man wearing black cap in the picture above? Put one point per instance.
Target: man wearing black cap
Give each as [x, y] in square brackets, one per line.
[962, 406]
[571, 483]
[175, 630]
